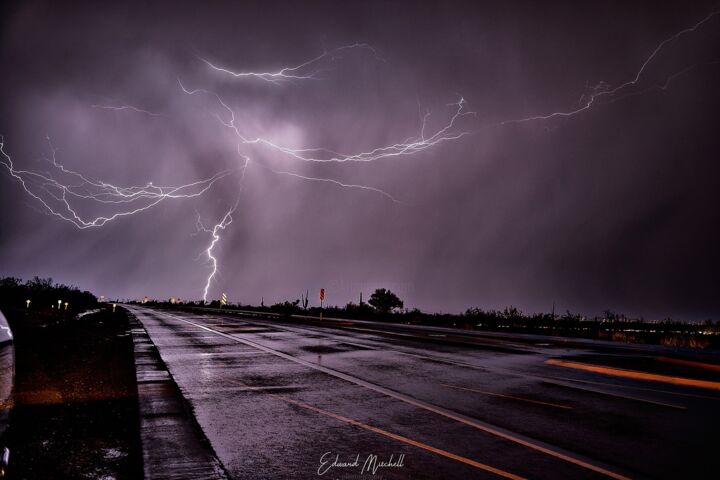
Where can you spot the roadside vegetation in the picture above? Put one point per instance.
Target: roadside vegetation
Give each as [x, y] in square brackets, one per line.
[75, 404]
[43, 295]
[384, 305]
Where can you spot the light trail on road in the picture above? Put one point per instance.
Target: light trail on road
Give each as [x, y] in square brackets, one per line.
[536, 445]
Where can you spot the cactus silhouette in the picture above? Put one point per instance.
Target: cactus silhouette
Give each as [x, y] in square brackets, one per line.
[305, 299]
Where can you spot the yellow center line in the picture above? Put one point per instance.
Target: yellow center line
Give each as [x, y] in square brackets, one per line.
[475, 423]
[408, 441]
[652, 377]
[394, 436]
[506, 396]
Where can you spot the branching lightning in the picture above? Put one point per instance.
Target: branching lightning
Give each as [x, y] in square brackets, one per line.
[603, 91]
[411, 146]
[337, 182]
[59, 197]
[448, 132]
[308, 70]
[405, 148]
[62, 192]
[127, 107]
[214, 232]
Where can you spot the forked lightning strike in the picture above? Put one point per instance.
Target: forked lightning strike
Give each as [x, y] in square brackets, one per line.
[127, 107]
[408, 147]
[215, 233]
[337, 182]
[53, 193]
[413, 145]
[308, 70]
[59, 198]
[215, 238]
[602, 90]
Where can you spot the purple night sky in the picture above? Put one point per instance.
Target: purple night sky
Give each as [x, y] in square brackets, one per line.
[614, 206]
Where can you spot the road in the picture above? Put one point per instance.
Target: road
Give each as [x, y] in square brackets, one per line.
[281, 399]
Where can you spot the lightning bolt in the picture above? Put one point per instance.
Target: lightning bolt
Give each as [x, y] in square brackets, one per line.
[421, 142]
[338, 183]
[407, 147]
[448, 132]
[128, 107]
[59, 191]
[59, 197]
[603, 91]
[215, 231]
[307, 70]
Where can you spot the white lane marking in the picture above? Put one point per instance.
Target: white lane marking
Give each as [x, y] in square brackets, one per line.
[502, 395]
[632, 387]
[613, 394]
[501, 371]
[230, 354]
[537, 445]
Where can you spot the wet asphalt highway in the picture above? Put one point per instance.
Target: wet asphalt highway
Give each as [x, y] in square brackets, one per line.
[278, 399]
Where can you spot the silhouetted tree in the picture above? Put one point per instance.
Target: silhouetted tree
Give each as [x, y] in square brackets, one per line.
[43, 294]
[384, 300]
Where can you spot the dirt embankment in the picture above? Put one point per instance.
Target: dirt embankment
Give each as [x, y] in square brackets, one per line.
[76, 413]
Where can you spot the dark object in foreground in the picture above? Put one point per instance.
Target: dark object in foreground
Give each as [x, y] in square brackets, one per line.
[75, 412]
[7, 377]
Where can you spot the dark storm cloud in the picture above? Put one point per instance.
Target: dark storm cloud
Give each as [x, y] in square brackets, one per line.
[612, 208]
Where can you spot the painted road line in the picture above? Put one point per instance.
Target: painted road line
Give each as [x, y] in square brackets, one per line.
[406, 440]
[394, 436]
[507, 396]
[633, 387]
[545, 379]
[634, 374]
[533, 444]
[612, 394]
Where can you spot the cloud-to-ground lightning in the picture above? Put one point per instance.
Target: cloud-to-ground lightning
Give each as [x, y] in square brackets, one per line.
[215, 238]
[447, 132]
[603, 91]
[307, 70]
[60, 194]
[215, 231]
[410, 146]
[63, 193]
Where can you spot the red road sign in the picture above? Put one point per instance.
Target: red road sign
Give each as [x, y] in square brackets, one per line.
[322, 294]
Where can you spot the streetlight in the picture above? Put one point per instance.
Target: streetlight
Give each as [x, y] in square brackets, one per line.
[66, 304]
[27, 302]
[114, 305]
[59, 304]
